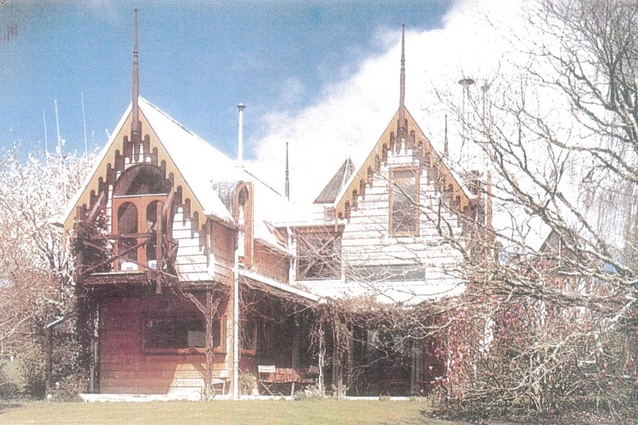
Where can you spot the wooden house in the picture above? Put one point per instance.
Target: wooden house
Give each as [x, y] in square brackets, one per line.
[394, 230]
[191, 270]
[164, 229]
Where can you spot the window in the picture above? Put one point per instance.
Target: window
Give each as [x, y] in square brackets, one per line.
[387, 273]
[127, 225]
[404, 202]
[180, 335]
[318, 256]
[138, 198]
[248, 337]
[142, 180]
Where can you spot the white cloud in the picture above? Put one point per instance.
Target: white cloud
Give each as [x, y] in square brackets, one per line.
[293, 91]
[350, 115]
[107, 10]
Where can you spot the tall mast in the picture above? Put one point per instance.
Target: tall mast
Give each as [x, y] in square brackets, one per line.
[287, 176]
[135, 120]
[57, 126]
[86, 148]
[445, 141]
[46, 139]
[402, 128]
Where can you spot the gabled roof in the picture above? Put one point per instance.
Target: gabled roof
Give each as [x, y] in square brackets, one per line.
[203, 171]
[329, 193]
[401, 126]
[199, 163]
[196, 163]
[374, 156]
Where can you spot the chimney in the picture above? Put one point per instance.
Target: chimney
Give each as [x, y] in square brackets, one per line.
[240, 135]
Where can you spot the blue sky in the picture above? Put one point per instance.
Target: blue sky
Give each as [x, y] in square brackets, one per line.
[198, 59]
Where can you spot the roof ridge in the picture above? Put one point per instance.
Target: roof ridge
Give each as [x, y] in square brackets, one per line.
[180, 125]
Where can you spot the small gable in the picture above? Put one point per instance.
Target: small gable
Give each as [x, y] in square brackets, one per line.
[329, 193]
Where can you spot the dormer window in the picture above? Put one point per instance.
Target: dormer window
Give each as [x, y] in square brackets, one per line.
[404, 202]
[138, 199]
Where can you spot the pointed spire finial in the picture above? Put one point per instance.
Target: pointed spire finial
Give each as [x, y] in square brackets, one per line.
[402, 87]
[135, 120]
[402, 130]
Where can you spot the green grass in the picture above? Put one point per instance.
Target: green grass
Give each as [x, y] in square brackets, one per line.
[271, 412]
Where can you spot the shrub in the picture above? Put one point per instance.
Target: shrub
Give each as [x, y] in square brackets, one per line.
[10, 383]
[311, 392]
[247, 382]
[32, 367]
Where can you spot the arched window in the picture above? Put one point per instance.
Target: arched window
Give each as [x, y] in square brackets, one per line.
[127, 224]
[142, 180]
[138, 198]
[151, 221]
[244, 218]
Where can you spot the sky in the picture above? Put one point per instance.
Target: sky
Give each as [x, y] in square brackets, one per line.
[198, 60]
[320, 75]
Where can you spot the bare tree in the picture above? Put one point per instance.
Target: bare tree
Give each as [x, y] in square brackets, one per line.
[554, 325]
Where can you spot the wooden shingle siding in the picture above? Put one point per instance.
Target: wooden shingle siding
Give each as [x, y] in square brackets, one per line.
[271, 264]
[223, 246]
[125, 369]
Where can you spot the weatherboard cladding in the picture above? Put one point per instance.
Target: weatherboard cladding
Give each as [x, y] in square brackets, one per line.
[208, 178]
[376, 153]
[370, 254]
[125, 369]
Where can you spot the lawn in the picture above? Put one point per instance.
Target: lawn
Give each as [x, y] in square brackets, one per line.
[271, 412]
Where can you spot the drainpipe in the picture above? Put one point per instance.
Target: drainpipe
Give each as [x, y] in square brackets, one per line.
[240, 160]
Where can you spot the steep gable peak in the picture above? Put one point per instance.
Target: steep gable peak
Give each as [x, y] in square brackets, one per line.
[402, 134]
[334, 187]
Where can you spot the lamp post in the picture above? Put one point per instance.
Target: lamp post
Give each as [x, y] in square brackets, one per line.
[465, 83]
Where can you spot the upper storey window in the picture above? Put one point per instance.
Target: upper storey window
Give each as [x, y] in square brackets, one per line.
[404, 202]
[142, 180]
[138, 199]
